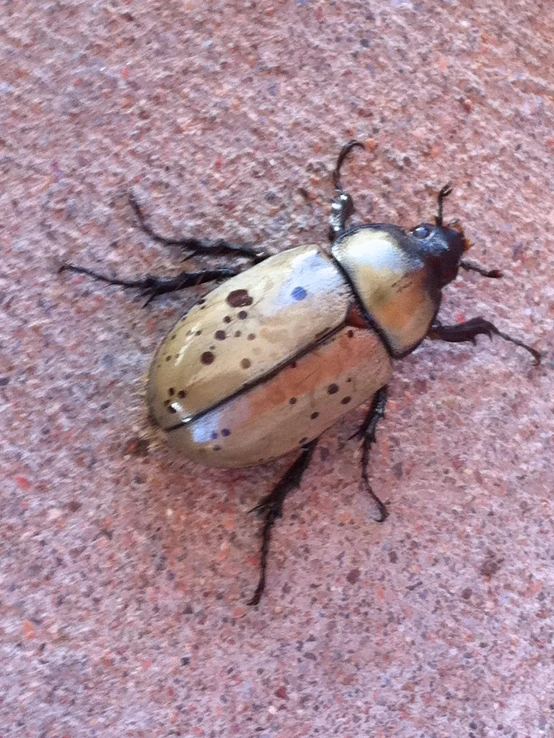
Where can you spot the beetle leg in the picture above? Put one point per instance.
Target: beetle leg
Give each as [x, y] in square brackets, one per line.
[443, 194]
[342, 206]
[151, 286]
[367, 432]
[470, 329]
[470, 266]
[197, 246]
[271, 508]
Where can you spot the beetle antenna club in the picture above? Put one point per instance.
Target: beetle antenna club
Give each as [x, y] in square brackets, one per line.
[342, 206]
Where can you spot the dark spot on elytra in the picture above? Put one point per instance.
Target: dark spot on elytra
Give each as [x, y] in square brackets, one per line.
[171, 391]
[332, 389]
[349, 379]
[243, 315]
[214, 435]
[298, 293]
[238, 334]
[315, 415]
[217, 448]
[201, 301]
[251, 336]
[172, 409]
[245, 363]
[174, 336]
[199, 333]
[345, 400]
[227, 319]
[303, 440]
[207, 357]
[239, 298]
[182, 393]
[168, 358]
[292, 401]
[225, 432]
[293, 364]
[350, 334]
[220, 335]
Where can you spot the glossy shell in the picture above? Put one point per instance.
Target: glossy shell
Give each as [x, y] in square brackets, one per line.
[265, 363]
[387, 269]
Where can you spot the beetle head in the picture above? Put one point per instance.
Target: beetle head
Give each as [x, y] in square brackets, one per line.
[440, 247]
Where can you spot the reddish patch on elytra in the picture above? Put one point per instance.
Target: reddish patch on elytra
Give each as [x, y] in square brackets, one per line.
[355, 318]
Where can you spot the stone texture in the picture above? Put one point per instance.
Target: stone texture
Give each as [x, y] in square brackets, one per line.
[124, 569]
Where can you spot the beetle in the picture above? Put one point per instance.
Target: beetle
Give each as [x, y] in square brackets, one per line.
[274, 356]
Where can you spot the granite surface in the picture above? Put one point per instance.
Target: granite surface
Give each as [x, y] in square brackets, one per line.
[124, 569]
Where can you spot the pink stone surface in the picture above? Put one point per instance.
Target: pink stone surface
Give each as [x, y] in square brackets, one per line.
[125, 570]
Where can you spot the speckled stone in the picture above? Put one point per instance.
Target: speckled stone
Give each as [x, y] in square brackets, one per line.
[124, 569]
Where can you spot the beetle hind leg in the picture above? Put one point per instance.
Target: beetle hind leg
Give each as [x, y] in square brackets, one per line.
[195, 245]
[151, 286]
[367, 432]
[270, 508]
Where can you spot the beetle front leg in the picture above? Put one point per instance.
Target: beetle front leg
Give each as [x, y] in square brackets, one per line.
[470, 329]
[342, 206]
[271, 508]
[471, 266]
[151, 286]
[195, 245]
[367, 432]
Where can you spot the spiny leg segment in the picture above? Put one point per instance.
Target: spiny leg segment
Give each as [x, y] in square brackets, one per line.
[470, 329]
[270, 508]
[367, 432]
[195, 245]
[342, 206]
[151, 286]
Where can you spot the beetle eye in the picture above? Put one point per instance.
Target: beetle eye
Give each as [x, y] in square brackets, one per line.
[421, 231]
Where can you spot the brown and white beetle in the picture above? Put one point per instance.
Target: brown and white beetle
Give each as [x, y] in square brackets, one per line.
[271, 358]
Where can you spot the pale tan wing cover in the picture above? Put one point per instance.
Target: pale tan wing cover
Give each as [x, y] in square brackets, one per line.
[293, 407]
[245, 329]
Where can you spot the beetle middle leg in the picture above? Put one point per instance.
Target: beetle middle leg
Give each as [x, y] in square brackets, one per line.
[271, 508]
[151, 286]
[470, 329]
[342, 206]
[367, 432]
[195, 245]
